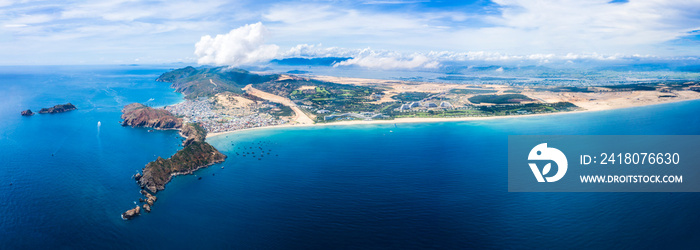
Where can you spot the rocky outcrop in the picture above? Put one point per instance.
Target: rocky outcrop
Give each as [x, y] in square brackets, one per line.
[147, 208]
[58, 109]
[131, 213]
[27, 112]
[139, 115]
[150, 199]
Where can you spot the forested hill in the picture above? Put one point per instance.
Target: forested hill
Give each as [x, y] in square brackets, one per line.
[202, 82]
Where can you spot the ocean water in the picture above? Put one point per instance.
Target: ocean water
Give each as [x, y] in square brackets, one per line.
[403, 186]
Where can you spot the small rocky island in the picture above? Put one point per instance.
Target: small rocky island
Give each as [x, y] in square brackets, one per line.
[58, 109]
[27, 112]
[195, 154]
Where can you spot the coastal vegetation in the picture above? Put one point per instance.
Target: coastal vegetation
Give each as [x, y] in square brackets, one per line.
[314, 95]
[631, 87]
[410, 96]
[499, 99]
[528, 108]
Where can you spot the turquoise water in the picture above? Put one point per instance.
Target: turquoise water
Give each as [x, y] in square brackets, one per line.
[430, 185]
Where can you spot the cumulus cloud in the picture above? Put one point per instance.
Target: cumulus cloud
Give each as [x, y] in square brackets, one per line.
[243, 45]
[385, 62]
[317, 50]
[368, 58]
[539, 28]
[389, 60]
[386, 59]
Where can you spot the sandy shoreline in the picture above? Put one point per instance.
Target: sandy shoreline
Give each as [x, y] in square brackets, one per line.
[429, 120]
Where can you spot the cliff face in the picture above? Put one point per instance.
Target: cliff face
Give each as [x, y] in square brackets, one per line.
[196, 155]
[58, 109]
[139, 115]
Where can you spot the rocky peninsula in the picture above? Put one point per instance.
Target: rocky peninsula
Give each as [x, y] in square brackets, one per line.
[58, 109]
[195, 154]
[139, 115]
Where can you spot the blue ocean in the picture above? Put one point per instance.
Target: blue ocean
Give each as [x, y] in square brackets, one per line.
[64, 180]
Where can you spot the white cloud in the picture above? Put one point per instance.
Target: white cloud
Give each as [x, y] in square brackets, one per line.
[348, 27]
[368, 58]
[317, 50]
[60, 30]
[593, 26]
[4, 3]
[514, 27]
[389, 60]
[244, 45]
[385, 62]
[130, 10]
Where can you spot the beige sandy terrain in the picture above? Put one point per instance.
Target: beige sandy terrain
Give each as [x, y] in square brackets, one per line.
[602, 100]
[284, 77]
[234, 105]
[230, 100]
[300, 116]
[613, 100]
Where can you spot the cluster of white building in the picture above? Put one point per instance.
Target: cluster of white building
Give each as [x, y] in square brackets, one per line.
[424, 105]
[361, 116]
[215, 121]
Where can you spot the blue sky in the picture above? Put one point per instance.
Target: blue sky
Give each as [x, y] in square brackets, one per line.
[378, 33]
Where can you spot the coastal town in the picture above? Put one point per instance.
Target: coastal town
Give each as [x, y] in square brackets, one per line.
[217, 118]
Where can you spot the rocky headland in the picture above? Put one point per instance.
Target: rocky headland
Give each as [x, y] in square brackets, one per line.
[195, 154]
[139, 115]
[27, 112]
[58, 109]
